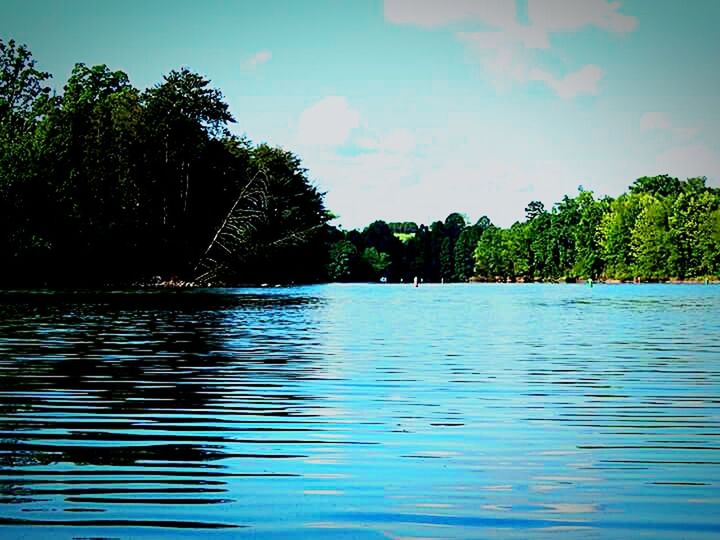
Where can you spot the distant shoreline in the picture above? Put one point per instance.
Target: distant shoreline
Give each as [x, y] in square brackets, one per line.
[187, 286]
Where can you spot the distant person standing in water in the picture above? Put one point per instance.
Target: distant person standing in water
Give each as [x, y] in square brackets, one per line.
[415, 281]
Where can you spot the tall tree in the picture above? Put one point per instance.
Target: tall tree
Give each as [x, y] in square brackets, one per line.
[464, 263]
[650, 241]
[614, 234]
[90, 163]
[25, 101]
[182, 117]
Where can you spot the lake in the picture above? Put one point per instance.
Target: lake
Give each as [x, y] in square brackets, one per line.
[362, 411]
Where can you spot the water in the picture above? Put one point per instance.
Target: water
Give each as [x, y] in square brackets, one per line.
[362, 411]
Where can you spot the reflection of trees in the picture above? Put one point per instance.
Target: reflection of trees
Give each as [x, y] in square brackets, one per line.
[129, 380]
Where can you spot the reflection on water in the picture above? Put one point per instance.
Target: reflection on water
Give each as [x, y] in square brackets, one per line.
[362, 411]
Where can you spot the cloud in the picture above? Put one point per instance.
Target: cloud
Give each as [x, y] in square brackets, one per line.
[434, 13]
[661, 121]
[327, 122]
[257, 59]
[654, 120]
[571, 15]
[543, 15]
[689, 161]
[583, 81]
[507, 49]
[504, 59]
[526, 36]
[685, 132]
[429, 172]
[398, 141]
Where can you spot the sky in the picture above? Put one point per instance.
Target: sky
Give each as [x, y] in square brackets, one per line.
[408, 110]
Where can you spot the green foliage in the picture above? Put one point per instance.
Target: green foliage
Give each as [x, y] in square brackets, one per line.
[25, 102]
[650, 239]
[404, 237]
[454, 224]
[658, 186]
[377, 261]
[107, 184]
[464, 264]
[405, 227]
[588, 259]
[343, 257]
[692, 232]
[663, 228]
[446, 259]
[23, 96]
[490, 256]
[534, 209]
[614, 235]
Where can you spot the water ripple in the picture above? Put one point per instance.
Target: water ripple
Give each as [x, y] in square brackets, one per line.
[361, 411]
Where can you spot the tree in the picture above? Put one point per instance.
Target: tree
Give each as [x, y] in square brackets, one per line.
[534, 209]
[377, 261]
[25, 101]
[90, 163]
[446, 259]
[614, 234]
[543, 263]
[182, 118]
[489, 254]
[293, 222]
[107, 184]
[566, 216]
[380, 236]
[518, 251]
[691, 223]
[343, 259]
[588, 260]
[464, 263]
[650, 241]
[406, 227]
[483, 223]
[23, 93]
[658, 186]
[709, 244]
[454, 225]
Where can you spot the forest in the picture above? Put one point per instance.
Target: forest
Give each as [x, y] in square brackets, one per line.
[106, 184]
[661, 229]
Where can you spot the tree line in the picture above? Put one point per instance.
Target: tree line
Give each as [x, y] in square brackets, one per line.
[661, 228]
[109, 184]
[106, 183]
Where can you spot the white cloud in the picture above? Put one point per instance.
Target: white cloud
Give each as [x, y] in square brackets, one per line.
[661, 121]
[327, 122]
[526, 36]
[544, 15]
[504, 47]
[654, 120]
[364, 187]
[495, 172]
[570, 15]
[257, 59]
[437, 13]
[689, 161]
[503, 59]
[685, 132]
[583, 81]
[400, 141]
[425, 174]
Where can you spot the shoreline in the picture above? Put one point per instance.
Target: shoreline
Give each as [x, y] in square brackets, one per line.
[189, 286]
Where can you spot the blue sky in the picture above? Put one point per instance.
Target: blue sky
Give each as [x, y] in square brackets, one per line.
[412, 109]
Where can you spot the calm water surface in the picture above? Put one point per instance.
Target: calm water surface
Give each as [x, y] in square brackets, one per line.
[362, 411]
